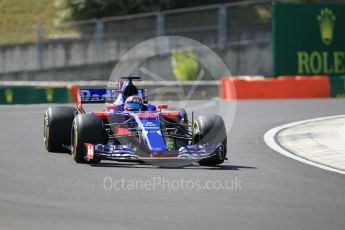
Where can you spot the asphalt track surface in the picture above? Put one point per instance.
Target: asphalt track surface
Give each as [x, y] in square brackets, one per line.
[41, 190]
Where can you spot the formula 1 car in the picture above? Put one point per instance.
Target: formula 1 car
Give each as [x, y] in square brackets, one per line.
[153, 134]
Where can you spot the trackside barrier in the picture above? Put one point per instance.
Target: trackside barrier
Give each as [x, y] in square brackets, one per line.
[337, 86]
[275, 88]
[73, 92]
[230, 88]
[31, 92]
[33, 95]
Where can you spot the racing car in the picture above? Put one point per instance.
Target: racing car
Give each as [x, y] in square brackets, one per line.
[124, 131]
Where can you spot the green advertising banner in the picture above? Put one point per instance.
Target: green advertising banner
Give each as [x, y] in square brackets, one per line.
[337, 86]
[34, 95]
[308, 39]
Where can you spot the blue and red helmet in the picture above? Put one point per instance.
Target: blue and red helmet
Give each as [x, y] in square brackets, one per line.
[133, 103]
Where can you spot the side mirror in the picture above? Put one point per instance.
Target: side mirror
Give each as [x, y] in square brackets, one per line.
[162, 106]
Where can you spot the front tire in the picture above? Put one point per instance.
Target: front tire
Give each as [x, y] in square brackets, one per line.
[211, 129]
[57, 127]
[86, 128]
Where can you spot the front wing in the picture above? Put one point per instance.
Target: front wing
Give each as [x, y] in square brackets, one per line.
[185, 156]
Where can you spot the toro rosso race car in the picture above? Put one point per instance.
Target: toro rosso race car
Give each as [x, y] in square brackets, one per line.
[131, 129]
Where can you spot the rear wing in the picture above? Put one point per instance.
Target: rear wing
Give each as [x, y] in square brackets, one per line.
[98, 96]
[89, 96]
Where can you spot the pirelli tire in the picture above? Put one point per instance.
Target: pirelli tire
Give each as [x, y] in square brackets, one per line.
[57, 127]
[211, 129]
[86, 128]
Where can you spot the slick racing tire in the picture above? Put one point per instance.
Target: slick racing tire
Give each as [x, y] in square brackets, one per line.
[86, 128]
[211, 129]
[57, 127]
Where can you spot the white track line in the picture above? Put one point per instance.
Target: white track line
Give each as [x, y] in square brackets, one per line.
[270, 140]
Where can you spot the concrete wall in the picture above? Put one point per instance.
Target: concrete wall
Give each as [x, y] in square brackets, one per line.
[88, 59]
[18, 58]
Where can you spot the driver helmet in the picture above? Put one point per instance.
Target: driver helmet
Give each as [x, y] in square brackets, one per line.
[133, 103]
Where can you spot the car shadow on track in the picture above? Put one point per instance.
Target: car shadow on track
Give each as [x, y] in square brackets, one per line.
[148, 166]
[230, 167]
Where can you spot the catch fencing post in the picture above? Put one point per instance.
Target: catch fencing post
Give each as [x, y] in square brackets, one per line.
[39, 47]
[222, 30]
[99, 39]
[160, 24]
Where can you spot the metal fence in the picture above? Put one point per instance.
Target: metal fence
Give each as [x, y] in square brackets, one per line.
[241, 32]
[214, 25]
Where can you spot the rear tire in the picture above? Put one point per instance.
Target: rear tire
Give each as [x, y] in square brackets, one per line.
[86, 128]
[211, 129]
[57, 127]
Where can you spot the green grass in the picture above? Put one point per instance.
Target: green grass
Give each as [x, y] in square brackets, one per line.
[20, 18]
